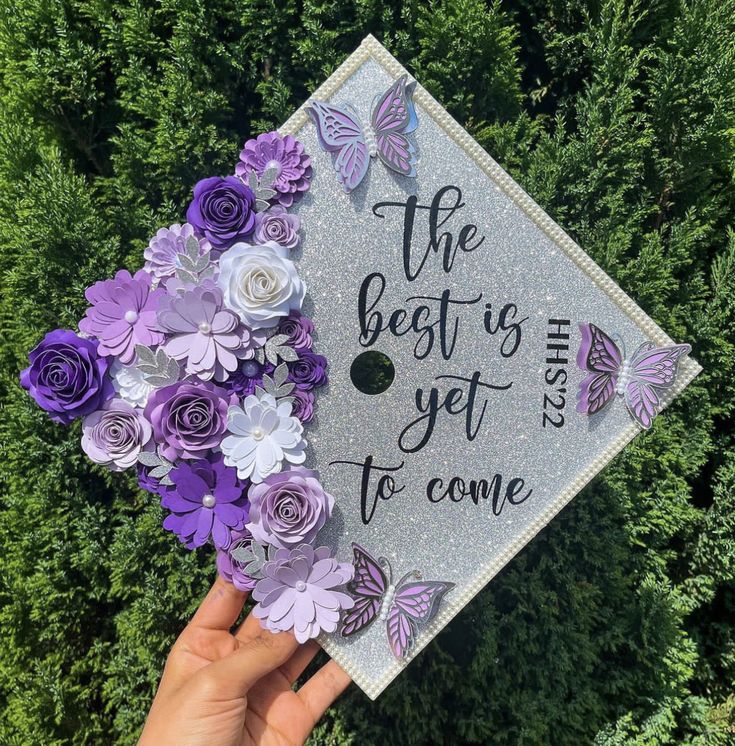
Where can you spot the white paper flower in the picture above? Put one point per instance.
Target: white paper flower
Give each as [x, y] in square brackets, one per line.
[130, 384]
[263, 436]
[260, 284]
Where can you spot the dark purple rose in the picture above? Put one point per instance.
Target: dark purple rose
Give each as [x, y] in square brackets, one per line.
[283, 154]
[277, 225]
[309, 371]
[288, 508]
[303, 405]
[299, 329]
[189, 418]
[206, 499]
[248, 375]
[66, 376]
[222, 211]
[229, 568]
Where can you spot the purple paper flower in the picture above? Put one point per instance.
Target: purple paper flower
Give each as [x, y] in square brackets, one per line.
[278, 226]
[223, 210]
[286, 155]
[298, 592]
[229, 568]
[298, 328]
[209, 337]
[162, 252]
[303, 404]
[66, 376]
[147, 482]
[115, 436]
[288, 508]
[249, 375]
[189, 418]
[123, 314]
[309, 371]
[206, 499]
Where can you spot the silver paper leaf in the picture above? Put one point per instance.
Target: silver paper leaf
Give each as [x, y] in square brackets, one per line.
[148, 458]
[260, 355]
[186, 262]
[280, 374]
[260, 391]
[145, 355]
[261, 205]
[278, 339]
[166, 481]
[253, 181]
[159, 471]
[284, 390]
[158, 381]
[269, 176]
[266, 194]
[192, 246]
[287, 353]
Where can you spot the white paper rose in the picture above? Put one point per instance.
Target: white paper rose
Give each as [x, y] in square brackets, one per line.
[260, 283]
[130, 384]
[263, 436]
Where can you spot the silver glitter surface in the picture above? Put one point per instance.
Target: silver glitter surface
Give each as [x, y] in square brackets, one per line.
[343, 241]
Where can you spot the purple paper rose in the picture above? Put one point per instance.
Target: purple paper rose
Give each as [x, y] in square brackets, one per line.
[278, 226]
[298, 328]
[66, 376]
[309, 371]
[206, 499]
[288, 508]
[303, 404]
[284, 154]
[123, 314]
[223, 210]
[147, 482]
[298, 592]
[115, 435]
[189, 418]
[229, 567]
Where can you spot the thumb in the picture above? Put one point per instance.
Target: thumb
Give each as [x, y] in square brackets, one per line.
[234, 675]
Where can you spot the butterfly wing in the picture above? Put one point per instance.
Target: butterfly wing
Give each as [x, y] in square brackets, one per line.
[651, 368]
[414, 606]
[394, 117]
[367, 588]
[601, 358]
[339, 132]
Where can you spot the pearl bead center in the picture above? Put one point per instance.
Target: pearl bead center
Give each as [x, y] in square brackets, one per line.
[300, 586]
[257, 433]
[131, 316]
[205, 328]
[209, 501]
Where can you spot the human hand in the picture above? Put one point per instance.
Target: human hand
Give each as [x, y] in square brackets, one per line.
[224, 689]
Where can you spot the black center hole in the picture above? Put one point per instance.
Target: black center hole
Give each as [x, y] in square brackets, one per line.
[372, 372]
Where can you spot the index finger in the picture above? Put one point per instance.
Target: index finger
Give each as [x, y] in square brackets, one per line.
[221, 607]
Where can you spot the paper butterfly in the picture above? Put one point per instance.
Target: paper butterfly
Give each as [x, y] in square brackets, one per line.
[637, 379]
[406, 607]
[353, 142]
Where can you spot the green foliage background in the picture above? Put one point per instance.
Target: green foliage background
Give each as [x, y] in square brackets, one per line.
[616, 625]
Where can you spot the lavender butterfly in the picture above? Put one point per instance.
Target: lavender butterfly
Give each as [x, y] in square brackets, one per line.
[638, 379]
[405, 608]
[353, 142]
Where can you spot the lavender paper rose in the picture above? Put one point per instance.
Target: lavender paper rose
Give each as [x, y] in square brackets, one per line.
[222, 211]
[189, 419]
[298, 328]
[278, 226]
[115, 435]
[67, 377]
[288, 508]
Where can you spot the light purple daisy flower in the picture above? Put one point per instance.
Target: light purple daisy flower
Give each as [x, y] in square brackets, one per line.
[298, 591]
[162, 253]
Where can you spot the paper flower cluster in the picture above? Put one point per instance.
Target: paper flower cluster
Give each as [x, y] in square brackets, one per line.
[198, 371]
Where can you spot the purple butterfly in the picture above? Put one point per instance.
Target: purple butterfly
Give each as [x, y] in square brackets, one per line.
[353, 143]
[637, 379]
[406, 607]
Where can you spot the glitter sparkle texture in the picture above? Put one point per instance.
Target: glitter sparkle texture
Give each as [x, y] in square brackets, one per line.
[525, 259]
